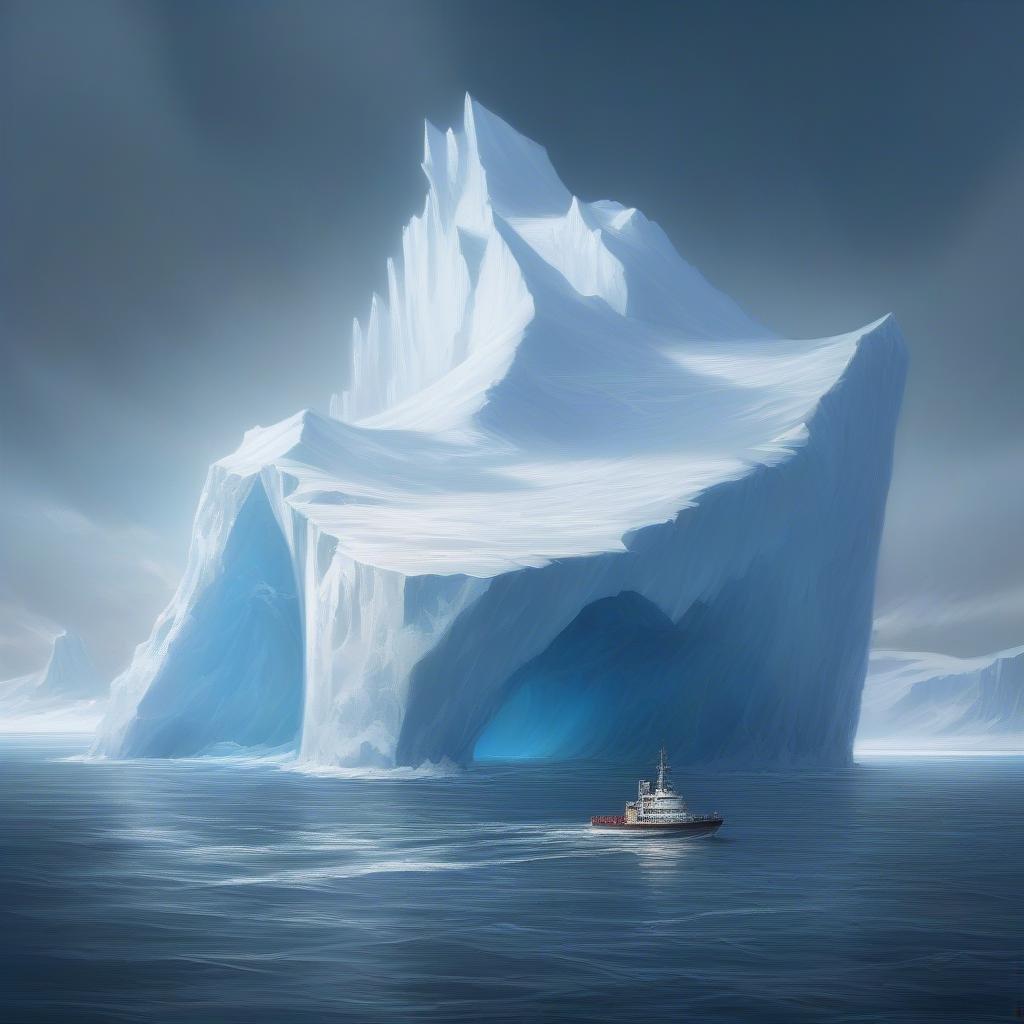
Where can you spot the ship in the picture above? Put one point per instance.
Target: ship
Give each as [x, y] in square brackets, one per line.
[661, 810]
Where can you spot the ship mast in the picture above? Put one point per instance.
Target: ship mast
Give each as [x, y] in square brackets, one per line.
[663, 769]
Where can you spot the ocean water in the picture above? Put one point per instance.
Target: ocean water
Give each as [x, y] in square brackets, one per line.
[238, 891]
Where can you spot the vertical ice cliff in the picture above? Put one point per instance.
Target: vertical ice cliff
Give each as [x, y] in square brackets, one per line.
[571, 502]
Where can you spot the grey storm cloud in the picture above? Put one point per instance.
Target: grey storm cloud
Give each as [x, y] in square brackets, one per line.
[198, 197]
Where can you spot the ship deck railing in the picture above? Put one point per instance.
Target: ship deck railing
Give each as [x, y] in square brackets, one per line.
[620, 819]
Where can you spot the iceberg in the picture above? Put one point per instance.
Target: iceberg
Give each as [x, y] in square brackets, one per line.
[70, 673]
[925, 701]
[65, 696]
[570, 501]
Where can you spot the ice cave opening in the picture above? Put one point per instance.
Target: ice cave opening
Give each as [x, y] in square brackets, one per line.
[619, 678]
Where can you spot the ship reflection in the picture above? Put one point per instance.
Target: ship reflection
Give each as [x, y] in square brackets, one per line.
[658, 855]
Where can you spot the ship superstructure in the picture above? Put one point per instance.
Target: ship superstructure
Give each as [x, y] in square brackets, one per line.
[660, 808]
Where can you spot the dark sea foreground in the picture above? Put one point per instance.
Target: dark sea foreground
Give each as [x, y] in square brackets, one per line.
[224, 892]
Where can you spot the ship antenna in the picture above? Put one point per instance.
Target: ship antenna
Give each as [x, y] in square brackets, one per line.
[663, 768]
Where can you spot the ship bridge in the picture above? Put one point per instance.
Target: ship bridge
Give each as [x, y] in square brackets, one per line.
[662, 804]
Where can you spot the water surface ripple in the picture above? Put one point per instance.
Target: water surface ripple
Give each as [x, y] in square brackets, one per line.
[237, 892]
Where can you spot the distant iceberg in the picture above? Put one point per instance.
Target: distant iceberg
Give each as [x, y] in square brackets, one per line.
[924, 701]
[570, 502]
[66, 696]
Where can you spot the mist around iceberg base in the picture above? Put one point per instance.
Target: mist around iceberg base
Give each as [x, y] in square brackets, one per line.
[283, 758]
[288, 761]
[76, 718]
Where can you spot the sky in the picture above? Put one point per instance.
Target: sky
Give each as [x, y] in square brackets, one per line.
[197, 197]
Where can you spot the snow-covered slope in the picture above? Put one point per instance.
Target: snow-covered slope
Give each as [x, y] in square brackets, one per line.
[555, 433]
[918, 700]
[67, 695]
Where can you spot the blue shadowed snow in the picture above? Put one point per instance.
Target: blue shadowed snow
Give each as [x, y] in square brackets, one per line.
[235, 675]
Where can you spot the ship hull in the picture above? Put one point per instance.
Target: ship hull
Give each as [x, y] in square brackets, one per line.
[691, 829]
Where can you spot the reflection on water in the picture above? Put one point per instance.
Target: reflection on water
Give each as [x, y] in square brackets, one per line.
[656, 854]
[233, 890]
